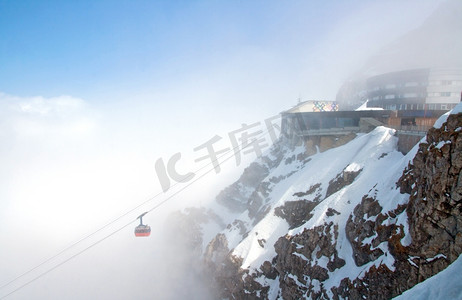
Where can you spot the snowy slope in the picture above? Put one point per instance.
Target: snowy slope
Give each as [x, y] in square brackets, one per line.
[362, 153]
[346, 198]
[380, 164]
[377, 165]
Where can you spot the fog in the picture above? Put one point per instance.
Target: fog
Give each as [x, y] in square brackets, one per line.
[72, 164]
[65, 175]
[433, 44]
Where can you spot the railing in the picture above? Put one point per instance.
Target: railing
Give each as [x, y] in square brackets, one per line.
[328, 131]
[410, 127]
[417, 130]
[420, 130]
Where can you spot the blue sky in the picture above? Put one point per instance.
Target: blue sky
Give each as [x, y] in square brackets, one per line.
[81, 47]
[104, 49]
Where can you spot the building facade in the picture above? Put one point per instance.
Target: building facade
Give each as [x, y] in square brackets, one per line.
[418, 89]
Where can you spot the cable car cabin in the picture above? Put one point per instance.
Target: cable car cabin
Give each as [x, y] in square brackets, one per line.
[142, 230]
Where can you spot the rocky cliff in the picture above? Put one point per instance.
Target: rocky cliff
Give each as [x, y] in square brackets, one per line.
[357, 221]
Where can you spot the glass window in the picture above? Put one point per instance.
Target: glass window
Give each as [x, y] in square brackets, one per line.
[410, 95]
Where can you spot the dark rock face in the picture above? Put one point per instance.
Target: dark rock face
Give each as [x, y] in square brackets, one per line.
[330, 212]
[216, 250]
[434, 183]
[298, 212]
[358, 228]
[299, 257]
[236, 196]
[232, 196]
[435, 204]
[341, 180]
[224, 272]
[250, 192]
[378, 282]
[295, 213]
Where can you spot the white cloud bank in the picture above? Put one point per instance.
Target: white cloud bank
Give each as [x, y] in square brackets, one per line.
[64, 116]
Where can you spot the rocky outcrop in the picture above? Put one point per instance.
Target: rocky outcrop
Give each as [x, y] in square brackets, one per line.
[434, 183]
[341, 180]
[249, 192]
[394, 246]
[360, 226]
[298, 212]
[234, 196]
[368, 222]
[435, 203]
[224, 270]
[307, 258]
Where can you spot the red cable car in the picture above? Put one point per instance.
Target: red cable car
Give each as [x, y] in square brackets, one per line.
[142, 230]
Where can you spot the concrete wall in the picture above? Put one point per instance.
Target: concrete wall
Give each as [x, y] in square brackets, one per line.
[406, 142]
[314, 144]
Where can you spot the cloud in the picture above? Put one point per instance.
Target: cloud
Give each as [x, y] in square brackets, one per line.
[61, 117]
[38, 105]
[68, 168]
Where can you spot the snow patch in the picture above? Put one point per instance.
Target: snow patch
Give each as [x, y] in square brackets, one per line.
[443, 118]
[300, 255]
[364, 107]
[436, 257]
[353, 167]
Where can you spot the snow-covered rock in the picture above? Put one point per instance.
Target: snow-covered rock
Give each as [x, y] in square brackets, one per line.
[359, 220]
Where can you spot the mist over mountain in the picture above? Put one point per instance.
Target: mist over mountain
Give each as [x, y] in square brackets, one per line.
[435, 43]
[432, 45]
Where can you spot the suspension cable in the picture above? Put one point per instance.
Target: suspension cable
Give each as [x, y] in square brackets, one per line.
[235, 150]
